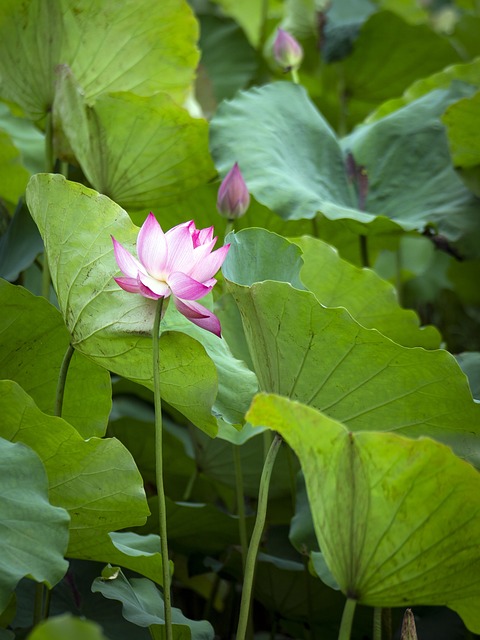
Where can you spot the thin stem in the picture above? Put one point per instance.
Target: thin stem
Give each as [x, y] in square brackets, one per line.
[62, 378]
[377, 623]
[162, 510]
[38, 603]
[267, 442]
[347, 619]
[242, 522]
[228, 228]
[295, 77]
[188, 489]
[364, 251]
[256, 537]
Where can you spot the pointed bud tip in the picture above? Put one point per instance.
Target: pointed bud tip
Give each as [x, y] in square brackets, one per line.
[233, 198]
[287, 52]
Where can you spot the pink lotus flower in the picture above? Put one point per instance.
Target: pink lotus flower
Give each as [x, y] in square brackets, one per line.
[287, 51]
[179, 263]
[233, 198]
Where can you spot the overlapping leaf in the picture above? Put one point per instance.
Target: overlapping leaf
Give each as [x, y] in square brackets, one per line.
[323, 357]
[137, 45]
[142, 604]
[27, 519]
[406, 159]
[140, 151]
[368, 298]
[397, 520]
[34, 342]
[113, 327]
[95, 480]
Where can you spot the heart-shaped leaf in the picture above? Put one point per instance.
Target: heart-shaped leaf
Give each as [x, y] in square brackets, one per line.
[34, 342]
[136, 45]
[397, 520]
[33, 533]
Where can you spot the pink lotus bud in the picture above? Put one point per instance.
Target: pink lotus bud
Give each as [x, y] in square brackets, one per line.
[287, 51]
[233, 197]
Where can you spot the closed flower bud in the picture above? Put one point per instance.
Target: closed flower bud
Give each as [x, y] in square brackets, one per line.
[287, 51]
[233, 197]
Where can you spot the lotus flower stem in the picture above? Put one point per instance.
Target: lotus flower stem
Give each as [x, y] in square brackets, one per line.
[347, 619]
[295, 77]
[62, 378]
[242, 523]
[162, 512]
[377, 623]
[256, 537]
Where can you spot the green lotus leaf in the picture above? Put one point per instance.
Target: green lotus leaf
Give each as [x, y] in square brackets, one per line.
[467, 72]
[398, 520]
[324, 358]
[29, 140]
[108, 324]
[137, 45]
[294, 164]
[34, 343]
[95, 480]
[33, 533]
[13, 175]
[369, 299]
[140, 151]
[249, 15]
[461, 120]
[67, 626]
[142, 604]
[408, 52]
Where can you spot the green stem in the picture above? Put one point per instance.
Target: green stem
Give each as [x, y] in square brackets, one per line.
[347, 619]
[295, 77]
[38, 603]
[228, 228]
[162, 510]
[242, 522]
[256, 537]
[188, 489]
[377, 623]
[364, 252]
[62, 378]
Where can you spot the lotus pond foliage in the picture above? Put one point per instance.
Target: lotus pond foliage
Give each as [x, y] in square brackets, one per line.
[290, 449]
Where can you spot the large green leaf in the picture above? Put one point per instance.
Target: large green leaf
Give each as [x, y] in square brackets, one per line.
[397, 520]
[293, 163]
[67, 626]
[140, 151]
[136, 45]
[142, 604]
[323, 357]
[461, 120]
[108, 324]
[95, 480]
[369, 299]
[34, 342]
[465, 72]
[32, 354]
[33, 533]
[407, 52]
[13, 175]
